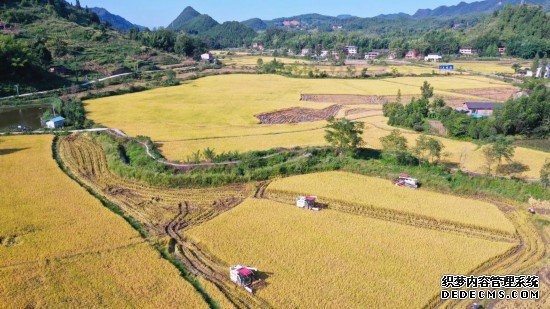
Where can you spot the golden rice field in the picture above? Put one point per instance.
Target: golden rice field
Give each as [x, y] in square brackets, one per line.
[486, 67]
[310, 253]
[349, 188]
[218, 112]
[61, 248]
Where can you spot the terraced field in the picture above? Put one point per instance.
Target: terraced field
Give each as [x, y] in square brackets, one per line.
[59, 247]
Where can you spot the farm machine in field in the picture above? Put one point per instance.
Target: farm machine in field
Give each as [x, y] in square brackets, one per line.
[307, 202]
[407, 181]
[244, 276]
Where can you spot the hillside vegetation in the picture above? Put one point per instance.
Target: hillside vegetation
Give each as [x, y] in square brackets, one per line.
[59, 34]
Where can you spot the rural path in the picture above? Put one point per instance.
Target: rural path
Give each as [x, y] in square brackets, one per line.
[47, 132]
[186, 166]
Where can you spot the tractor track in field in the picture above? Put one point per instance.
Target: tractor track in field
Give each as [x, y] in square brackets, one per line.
[187, 207]
[200, 263]
[519, 260]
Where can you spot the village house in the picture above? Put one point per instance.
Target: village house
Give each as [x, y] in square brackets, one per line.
[306, 52]
[6, 28]
[543, 72]
[258, 46]
[208, 58]
[412, 54]
[324, 53]
[351, 50]
[372, 55]
[392, 56]
[479, 109]
[55, 123]
[467, 51]
[291, 23]
[502, 50]
[433, 58]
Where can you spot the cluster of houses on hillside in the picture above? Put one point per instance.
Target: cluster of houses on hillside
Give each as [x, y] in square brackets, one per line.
[6, 28]
[542, 72]
[354, 52]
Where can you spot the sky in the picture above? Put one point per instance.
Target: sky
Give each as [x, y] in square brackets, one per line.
[155, 13]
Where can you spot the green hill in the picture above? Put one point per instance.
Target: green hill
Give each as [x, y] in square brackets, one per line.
[65, 36]
[229, 34]
[199, 24]
[185, 16]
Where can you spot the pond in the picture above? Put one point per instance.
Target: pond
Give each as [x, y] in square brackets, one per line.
[26, 116]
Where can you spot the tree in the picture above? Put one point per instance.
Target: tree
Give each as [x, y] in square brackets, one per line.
[395, 142]
[545, 174]
[489, 159]
[516, 67]
[344, 135]
[429, 149]
[260, 62]
[503, 149]
[427, 90]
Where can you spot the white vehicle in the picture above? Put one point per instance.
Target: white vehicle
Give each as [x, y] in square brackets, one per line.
[405, 180]
[307, 202]
[243, 276]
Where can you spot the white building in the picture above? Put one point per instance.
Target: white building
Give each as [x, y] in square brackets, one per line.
[543, 72]
[54, 123]
[324, 53]
[466, 51]
[207, 57]
[306, 52]
[433, 58]
[372, 55]
[351, 50]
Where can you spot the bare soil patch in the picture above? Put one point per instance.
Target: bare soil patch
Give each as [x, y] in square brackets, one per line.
[297, 115]
[494, 94]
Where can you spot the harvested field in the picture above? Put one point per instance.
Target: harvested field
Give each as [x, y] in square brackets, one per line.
[154, 207]
[62, 248]
[298, 115]
[310, 253]
[499, 95]
[348, 99]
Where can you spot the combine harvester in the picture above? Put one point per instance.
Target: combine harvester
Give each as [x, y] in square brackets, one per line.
[407, 181]
[244, 277]
[307, 202]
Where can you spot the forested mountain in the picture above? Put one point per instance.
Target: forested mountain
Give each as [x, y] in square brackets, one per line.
[198, 25]
[256, 24]
[463, 8]
[185, 16]
[461, 14]
[116, 21]
[229, 34]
